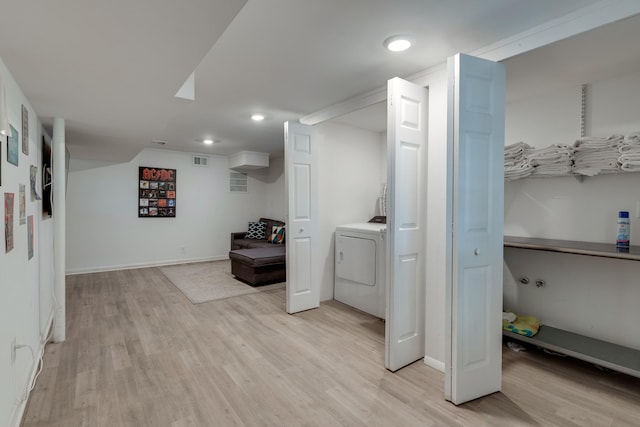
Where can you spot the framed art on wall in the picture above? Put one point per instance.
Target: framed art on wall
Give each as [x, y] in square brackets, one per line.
[30, 237]
[12, 146]
[156, 192]
[8, 222]
[22, 202]
[25, 130]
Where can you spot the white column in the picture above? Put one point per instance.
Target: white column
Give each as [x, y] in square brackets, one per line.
[59, 229]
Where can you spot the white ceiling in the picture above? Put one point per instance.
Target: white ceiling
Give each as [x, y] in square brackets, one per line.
[111, 68]
[602, 53]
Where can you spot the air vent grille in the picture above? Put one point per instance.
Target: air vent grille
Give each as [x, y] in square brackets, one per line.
[200, 161]
[238, 182]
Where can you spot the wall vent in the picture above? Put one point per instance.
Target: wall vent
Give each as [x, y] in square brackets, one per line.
[238, 182]
[200, 161]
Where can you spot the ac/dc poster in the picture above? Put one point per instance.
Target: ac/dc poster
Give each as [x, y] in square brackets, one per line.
[156, 192]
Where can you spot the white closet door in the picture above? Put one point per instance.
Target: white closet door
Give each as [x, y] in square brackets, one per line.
[301, 182]
[407, 147]
[476, 106]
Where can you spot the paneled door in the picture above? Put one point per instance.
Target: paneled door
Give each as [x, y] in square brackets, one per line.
[406, 222]
[473, 366]
[301, 182]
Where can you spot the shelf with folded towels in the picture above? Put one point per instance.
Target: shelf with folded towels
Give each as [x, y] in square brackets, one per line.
[573, 247]
[603, 353]
[588, 156]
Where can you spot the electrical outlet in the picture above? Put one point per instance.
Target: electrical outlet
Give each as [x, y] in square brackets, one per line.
[13, 351]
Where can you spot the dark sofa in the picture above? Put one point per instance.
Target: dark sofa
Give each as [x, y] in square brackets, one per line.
[255, 261]
[238, 240]
[259, 266]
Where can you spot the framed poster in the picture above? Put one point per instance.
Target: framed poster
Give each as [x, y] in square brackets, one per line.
[12, 146]
[22, 202]
[8, 222]
[25, 130]
[30, 237]
[156, 192]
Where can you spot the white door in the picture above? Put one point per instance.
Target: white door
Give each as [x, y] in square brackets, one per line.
[406, 222]
[476, 129]
[301, 182]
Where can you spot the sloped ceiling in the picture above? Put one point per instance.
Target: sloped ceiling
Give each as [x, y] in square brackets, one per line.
[110, 69]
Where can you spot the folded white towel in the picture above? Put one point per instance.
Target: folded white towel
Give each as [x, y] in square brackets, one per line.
[597, 141]
[550, 150]
[629, 157]
[561, 160]
[592, 143]
[630, 167]
[593, 171]
[633, 138]
[518, 147]
[598, 163]
[537, 159]
[552, 170]
[629, 148]
[518, 171]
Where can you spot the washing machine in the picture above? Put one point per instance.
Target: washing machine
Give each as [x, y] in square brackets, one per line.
[360, 267]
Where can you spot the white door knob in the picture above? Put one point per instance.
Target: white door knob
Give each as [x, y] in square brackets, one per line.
[477, 252]
[301, 230]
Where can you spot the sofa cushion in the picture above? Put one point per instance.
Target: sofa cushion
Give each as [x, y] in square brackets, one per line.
[259, 244]
[249, 244]
[277, 235]
[260, 256]
[257, 231]
[270, 223]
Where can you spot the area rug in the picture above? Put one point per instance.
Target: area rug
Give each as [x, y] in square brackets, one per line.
[209, 281]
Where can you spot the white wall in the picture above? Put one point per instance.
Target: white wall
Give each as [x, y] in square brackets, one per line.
[105, 233]
[275, 195]
[350, 177]
[26, 286]
[564, 208]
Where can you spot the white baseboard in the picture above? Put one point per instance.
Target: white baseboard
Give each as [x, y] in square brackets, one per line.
[18, 412]
[102, 269]
[435, 364]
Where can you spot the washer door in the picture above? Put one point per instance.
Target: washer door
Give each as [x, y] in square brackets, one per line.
[356, 259]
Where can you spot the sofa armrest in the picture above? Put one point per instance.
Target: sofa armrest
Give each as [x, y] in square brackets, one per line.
[237, 235]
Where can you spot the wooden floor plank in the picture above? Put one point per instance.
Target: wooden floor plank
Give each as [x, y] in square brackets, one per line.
[138, 353]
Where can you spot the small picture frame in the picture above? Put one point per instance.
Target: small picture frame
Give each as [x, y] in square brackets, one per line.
[12, 147]
[25, 130]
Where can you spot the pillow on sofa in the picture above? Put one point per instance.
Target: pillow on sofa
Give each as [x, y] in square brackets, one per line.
[277, 235]
[257, 231]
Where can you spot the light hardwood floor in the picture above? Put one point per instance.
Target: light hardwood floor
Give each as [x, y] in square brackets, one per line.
[138, 353]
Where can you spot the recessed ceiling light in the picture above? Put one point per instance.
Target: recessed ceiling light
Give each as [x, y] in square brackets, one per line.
[208, 141]
[398, 43]
[257, 117]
